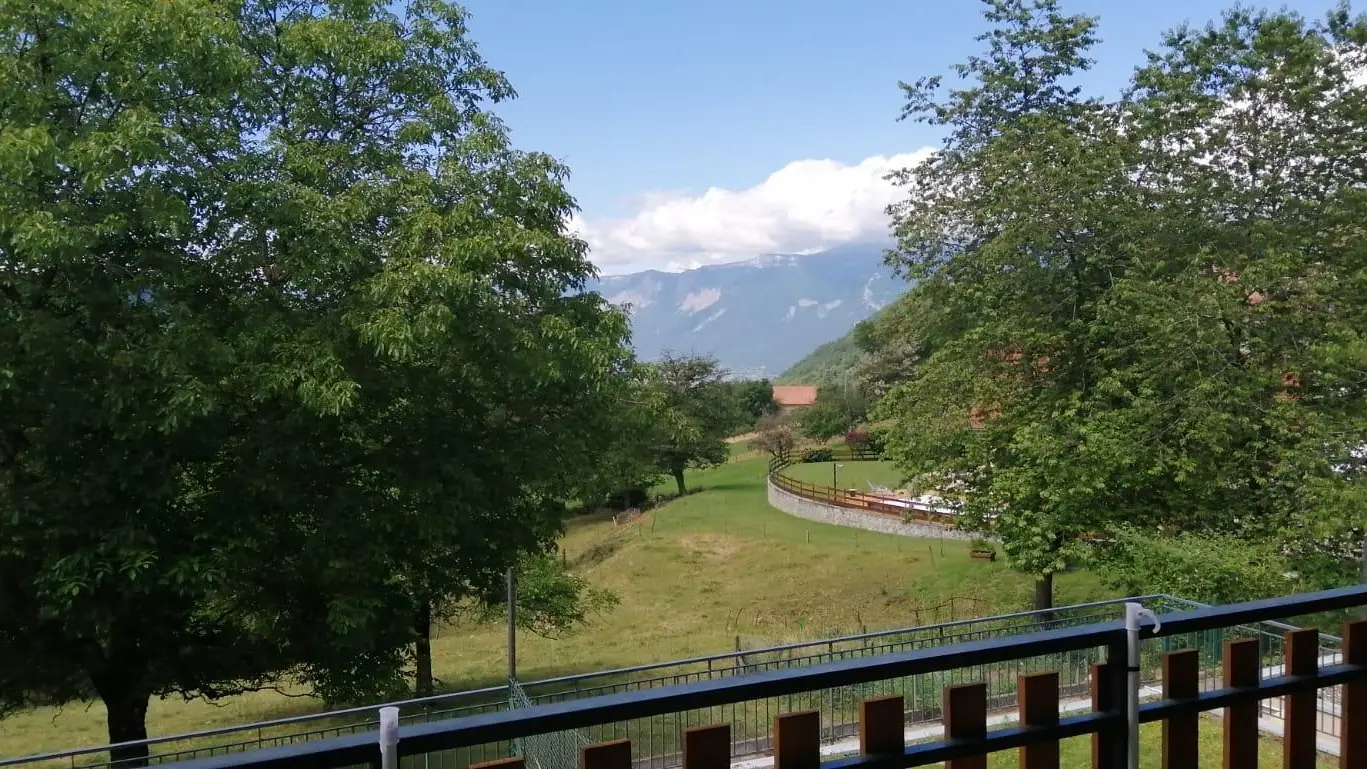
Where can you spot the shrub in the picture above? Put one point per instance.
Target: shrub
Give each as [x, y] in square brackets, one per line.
[817, 455]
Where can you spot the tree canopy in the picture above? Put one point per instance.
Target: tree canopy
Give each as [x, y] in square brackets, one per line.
[1142, 311]
[697, 414]
[276, 291]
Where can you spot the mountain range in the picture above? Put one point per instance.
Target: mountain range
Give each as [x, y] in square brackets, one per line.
[759, 316]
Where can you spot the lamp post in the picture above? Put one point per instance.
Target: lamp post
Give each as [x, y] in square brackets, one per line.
[835, 482]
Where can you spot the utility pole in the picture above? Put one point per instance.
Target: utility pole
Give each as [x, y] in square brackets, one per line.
[512, 624]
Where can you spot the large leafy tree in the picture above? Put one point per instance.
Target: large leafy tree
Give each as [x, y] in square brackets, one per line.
[696, 413]
[290, 345]
[1233, 352]
[1001, 229]
[1144, 313]
[629, 435]
[756, 400]
[837, 409]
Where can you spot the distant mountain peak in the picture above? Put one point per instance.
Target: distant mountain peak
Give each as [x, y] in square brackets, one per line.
[758, 316]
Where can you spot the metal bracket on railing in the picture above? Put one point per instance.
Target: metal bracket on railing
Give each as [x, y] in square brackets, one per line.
[1134, 613]
[389, 738]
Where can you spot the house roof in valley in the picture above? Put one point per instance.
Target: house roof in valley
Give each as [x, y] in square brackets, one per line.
[794, 395]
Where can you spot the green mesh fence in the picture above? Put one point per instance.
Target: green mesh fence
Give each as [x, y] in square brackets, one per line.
[557, 750]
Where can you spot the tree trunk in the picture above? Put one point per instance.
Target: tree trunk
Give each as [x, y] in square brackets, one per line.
[125, 701]
[424, 686]
[1044, 596]
[679, 480]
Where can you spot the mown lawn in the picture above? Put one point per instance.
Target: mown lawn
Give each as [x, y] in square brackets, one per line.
[692, 577]
[847, 475]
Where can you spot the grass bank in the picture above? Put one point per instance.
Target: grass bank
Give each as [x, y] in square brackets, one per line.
[846, 475]
[692, 576]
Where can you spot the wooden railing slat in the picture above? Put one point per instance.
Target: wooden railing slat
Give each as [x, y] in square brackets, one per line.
[1181, 680]
[965, 718]
[1037, 701]
[1299, 709]
[1103, 699]
[1242, 668]
[606, 755]
[797, 740]
[1353, 701]
[882, 729]
[707, 747]
[513, 762]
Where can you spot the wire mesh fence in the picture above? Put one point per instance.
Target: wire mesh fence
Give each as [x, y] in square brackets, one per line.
[557, 750]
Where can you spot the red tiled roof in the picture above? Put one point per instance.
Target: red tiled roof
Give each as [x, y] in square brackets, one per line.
[794, 395]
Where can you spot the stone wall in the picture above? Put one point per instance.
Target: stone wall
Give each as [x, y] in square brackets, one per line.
[840, 516]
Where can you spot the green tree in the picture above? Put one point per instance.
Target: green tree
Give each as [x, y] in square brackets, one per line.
[277, 291]
[1233, 355]
[695, 417]
[837, 409]
[893, 343]
[1006, 232]
[1143, 313]
[756, 399]
[627, 465]
[551, 601]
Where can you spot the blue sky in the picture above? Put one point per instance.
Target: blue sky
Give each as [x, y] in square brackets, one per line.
[695, 130]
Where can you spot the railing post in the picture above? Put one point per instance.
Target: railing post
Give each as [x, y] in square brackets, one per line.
[1241, 671]
[389, 738]
[1353, 710]
[1110, 746]
[606, 755]
[707, 747]
[1134, 613]
[964, 714]
[1037, 704]
[1181, 734]
[1299, 709]
[797, 740]
[881, 726]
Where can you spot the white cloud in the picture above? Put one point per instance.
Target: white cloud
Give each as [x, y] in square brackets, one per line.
[808, 205]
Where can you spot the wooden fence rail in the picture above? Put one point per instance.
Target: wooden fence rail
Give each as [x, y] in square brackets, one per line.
[855, 500]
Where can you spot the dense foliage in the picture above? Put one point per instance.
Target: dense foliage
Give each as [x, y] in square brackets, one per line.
[292, 353]
[837, 409]
[830, 363]
[1145, 312]
[697, 412]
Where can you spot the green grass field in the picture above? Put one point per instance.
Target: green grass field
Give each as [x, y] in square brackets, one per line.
[846, 475]
[692, 577]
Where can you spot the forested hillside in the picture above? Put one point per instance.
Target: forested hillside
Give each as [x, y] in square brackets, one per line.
[830, 363]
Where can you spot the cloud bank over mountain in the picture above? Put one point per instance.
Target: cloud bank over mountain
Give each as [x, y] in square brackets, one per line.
[804, 207]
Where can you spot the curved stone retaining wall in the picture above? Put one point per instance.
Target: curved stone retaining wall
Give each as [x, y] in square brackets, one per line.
[823, 512]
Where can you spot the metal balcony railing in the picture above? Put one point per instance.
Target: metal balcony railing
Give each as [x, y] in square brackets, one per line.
[1029, 707]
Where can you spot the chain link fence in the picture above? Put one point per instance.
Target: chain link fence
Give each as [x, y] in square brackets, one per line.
[558, 750]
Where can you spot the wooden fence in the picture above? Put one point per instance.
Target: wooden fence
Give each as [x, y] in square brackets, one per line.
[901, 509]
